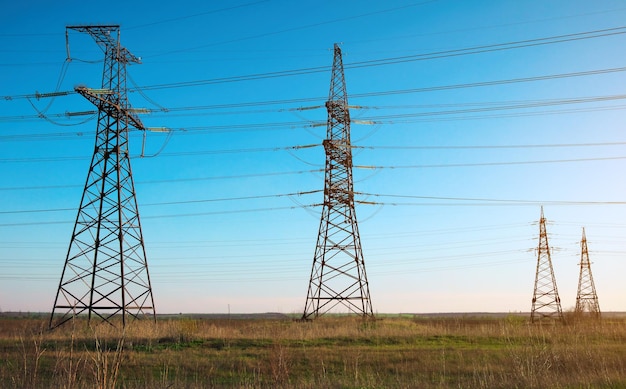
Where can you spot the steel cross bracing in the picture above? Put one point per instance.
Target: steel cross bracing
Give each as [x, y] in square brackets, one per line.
[546, 301]
[586, 298]
[338, 279]
[105, 275]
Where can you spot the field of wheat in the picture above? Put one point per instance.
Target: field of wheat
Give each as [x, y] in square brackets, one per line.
[330, 352]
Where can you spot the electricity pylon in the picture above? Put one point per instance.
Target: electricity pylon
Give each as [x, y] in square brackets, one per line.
[586, 299]
[338, 274]
[105, 275]
[546, 301]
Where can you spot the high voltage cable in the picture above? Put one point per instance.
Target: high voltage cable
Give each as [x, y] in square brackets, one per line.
[522, 146]
[459, 201]
[432, 119]
[495, 203]
[272, 242]
[492, 47]
[174, 154]
[301, 27]
[198, 201]
[238, 176]
[491, 106]
[511, 201]
[195, 15]
[195, 214]
[403, 91]
[490, 83]
[454, 165]
[498, 108]
[369, 63]
[395, 60]
[370, 167]
[372, 119]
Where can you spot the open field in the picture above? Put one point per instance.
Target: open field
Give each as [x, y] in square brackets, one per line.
[401, 351]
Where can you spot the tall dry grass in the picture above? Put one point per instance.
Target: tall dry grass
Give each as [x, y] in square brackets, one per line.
[402, 352]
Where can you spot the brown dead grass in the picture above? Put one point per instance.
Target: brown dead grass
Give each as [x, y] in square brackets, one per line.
[331, 352]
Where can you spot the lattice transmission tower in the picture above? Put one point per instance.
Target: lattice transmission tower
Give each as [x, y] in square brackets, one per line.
[105, 275]
[586, 298]
[546, 301]
[338, 276]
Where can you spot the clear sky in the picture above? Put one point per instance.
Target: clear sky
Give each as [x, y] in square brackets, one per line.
[469, 116]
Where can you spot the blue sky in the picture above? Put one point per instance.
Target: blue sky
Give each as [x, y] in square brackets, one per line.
[470, 115]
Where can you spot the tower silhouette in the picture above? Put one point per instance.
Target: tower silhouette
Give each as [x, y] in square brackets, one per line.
[546, 301]
[105, 275]
[338, 274]
[586, 299]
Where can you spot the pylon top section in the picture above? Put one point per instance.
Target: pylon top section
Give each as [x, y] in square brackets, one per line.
[338, 82]
[108, 38]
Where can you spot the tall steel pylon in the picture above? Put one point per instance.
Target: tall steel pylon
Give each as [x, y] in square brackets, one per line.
[338, 274]
[105, 275]
[586, 298]
[546, 301]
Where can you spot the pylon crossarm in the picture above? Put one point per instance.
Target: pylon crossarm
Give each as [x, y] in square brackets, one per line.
[98, 98]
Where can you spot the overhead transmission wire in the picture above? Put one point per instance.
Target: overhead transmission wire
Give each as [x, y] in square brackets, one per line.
[176, 180]
[457, 201]
[291, 29]
[177, 215]
[369, 63]
[173, 154]
[473, 201]
[492, 47]
[289, 149]
[478, 164]
[502, 105]
[176, 19]
[491, 106]
[402, 59]
[536, 104]
[181, 202]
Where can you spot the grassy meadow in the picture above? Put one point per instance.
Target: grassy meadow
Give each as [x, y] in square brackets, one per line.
[330, 352]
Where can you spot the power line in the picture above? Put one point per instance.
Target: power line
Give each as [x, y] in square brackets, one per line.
[490, 106]
[178, 215]
[403, 59]
[469, 147]
[493, 47]
[175, 202]
[301, 27]
[369, 63]
[194, 15]
[173, 154]
[176, 180]
[455, 165]
[491, 200]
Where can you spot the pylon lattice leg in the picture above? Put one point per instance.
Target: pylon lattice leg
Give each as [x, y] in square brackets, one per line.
[338, 278]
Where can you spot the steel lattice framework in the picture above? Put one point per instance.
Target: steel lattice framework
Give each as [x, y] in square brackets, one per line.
[106, 273]
[546, 301]
[586, 299]
[338, 276]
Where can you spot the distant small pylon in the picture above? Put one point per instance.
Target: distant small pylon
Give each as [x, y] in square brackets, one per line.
[586, 299]
[546, 301]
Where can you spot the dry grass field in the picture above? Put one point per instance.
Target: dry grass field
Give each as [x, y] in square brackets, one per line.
[331, 352]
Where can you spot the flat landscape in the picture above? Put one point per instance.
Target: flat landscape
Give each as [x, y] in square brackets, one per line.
[274, 350]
